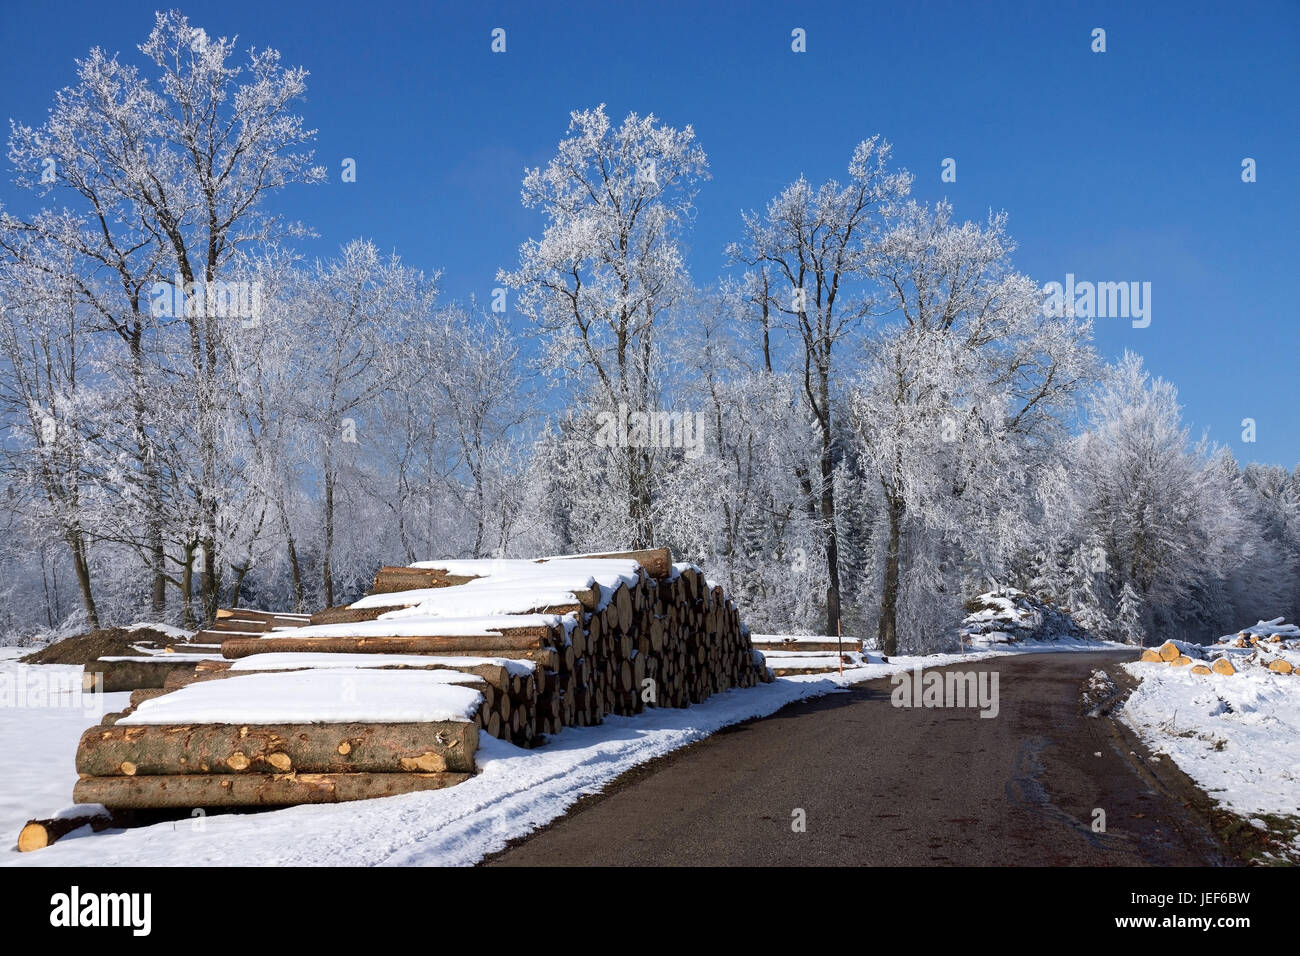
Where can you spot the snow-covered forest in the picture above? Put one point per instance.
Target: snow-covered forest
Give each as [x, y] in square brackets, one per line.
[870, 417]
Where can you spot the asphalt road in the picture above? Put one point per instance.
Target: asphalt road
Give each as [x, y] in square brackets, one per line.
[896, 786]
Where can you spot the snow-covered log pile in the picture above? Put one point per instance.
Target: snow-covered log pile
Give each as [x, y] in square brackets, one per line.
[1009, 616]
[790, 654]
[152, 670]
[601, 634]
[1272, 645]
[386, 695]
[274, 739]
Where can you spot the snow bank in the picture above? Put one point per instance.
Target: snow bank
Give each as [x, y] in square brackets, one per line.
[1237, 736]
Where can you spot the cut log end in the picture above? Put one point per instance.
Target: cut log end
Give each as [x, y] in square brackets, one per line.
[34, 836]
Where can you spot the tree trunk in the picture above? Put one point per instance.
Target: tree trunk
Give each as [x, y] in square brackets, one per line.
[887, 631]
[327, 569]
[80, 562]
[211, 580]
[832, 542]
[295, 569]
[158, 601]
[187, 588]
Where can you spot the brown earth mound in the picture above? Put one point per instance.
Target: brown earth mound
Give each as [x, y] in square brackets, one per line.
[105, 642]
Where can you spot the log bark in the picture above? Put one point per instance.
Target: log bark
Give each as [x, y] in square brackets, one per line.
[657, 562]
[149, 750]
[349, 615]
[253, 790]
[508, 639]
[38, 834]
[392, 579]
[133, 675]
[138, 697]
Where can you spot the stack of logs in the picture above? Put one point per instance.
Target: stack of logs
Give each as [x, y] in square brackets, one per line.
[156, 670]
[662, 637]
[1264, 654]
[669, 640]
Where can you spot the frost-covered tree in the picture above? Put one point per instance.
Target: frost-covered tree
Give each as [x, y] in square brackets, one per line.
[1130, 616]
[166, 171]
[1161, 505]
[603, 279]
[811, 248]
[357, 310]
[46, 401]
[956, 401]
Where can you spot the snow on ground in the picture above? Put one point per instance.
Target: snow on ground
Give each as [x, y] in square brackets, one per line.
[38, 744]
[1237, 736]
[515, 792]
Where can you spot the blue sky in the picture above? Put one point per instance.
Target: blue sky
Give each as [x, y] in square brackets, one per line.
[1124, 165]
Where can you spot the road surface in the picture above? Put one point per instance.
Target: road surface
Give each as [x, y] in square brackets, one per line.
[896, 786]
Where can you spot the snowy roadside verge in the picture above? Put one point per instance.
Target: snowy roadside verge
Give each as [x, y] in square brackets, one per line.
[1237, 737]
[515, 792]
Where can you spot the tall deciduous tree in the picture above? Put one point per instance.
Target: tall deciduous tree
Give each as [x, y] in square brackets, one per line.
[171, 172]
[811, 250]
[608, 270]
[960, 395]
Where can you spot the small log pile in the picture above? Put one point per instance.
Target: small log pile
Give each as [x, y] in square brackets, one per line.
[246, 622]
[177, 662]
[791, 655]
[509, 687]
[1264, 650]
